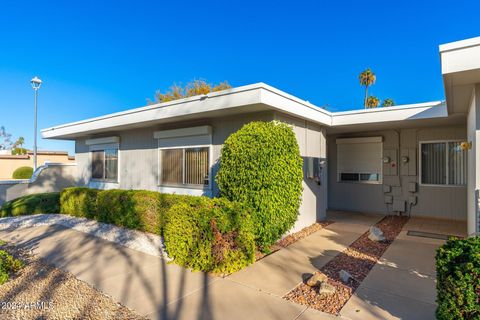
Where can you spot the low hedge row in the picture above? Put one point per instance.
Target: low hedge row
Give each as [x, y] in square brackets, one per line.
[458, 279]
[32, 204]
[210, 234]
[134, 209]
[214, 235]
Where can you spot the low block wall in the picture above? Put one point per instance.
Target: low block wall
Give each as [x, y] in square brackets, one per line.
[51, 177]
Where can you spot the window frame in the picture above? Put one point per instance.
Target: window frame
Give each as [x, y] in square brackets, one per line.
[446, 185]
[359, 181]
[104, 180]
[181, 185]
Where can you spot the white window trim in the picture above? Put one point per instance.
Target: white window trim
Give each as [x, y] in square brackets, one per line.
[378, 139]
[184, 189]
[101, 145]
[446, 162]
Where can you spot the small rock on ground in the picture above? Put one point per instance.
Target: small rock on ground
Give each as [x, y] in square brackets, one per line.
[344, 276]
[326, 288]
[317, 279]
[376, 234]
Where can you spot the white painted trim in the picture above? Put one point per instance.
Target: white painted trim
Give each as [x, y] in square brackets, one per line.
[209, 188]
[360, 140]
[183, 132]
[461, 44]
[103, 185]
[103, 148]
[104, 140]
[185, 191]
[446, 163]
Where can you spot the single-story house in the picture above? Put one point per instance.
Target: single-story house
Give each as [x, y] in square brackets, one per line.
[418, 159]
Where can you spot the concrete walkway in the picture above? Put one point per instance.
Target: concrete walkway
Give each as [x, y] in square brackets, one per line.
[158, 290]
[402, 284]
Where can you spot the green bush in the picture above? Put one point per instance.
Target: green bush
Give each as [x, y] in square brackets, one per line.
[261, 166]
[79, 202]
[22, 173]
[212, 235]
[458, 279]
[8, 265]
[134, 209]
[32, 204]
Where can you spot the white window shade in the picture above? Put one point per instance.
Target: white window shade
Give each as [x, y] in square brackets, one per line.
[362, 156]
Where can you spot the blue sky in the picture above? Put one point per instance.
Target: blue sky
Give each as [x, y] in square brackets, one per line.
[97, 57]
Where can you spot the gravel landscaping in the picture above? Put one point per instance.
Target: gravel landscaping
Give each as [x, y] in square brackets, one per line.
[294, 237]
[41, 291]
[141, 241]
[358, 259]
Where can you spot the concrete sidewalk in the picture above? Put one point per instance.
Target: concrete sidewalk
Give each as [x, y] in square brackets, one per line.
[402, 284]
[147, 284]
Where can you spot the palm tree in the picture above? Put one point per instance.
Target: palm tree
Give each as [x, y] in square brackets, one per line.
[372, 102]
[367, 78]
[388, 103]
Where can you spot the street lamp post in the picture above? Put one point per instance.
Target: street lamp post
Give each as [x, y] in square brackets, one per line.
[36, 83]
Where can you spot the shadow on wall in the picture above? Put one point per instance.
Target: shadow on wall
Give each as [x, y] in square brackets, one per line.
[48, 178]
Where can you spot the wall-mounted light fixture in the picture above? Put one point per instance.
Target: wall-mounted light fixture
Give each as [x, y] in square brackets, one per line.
[466, 145]
[405, 159]
[386, 159]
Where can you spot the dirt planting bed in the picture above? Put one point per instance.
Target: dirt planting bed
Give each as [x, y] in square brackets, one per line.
[41, 291]
[358, 259]
[294, 237]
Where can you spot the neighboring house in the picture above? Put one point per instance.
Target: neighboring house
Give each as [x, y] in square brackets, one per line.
[418, 159]
[9, 163]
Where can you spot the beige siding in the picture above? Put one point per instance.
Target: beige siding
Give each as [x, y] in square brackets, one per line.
[436, 201]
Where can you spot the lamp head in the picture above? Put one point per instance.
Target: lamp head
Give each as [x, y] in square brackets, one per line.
[36, 83]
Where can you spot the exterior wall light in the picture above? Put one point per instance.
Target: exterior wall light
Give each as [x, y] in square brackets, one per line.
[466, 145]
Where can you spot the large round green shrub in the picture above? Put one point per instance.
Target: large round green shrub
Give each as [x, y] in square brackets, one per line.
[261, 166]
[22, 173]
[212, 235]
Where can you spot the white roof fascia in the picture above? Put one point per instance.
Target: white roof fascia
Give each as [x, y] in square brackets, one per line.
[213, 101]
[460, 55]
[258, 93]
[418, 111]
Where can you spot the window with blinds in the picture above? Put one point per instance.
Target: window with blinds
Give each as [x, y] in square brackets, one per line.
[443, 163]
[359, 159]
[184, 166]
[105, 165]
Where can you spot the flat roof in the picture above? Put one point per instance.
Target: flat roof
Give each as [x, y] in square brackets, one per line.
[249, 98]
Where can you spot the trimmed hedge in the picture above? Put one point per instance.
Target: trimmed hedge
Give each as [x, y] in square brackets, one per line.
[261, 166]
[458, 279]
[32, 204]
[79, 202]
[134, 209]
[213, 235]
[22, 173]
